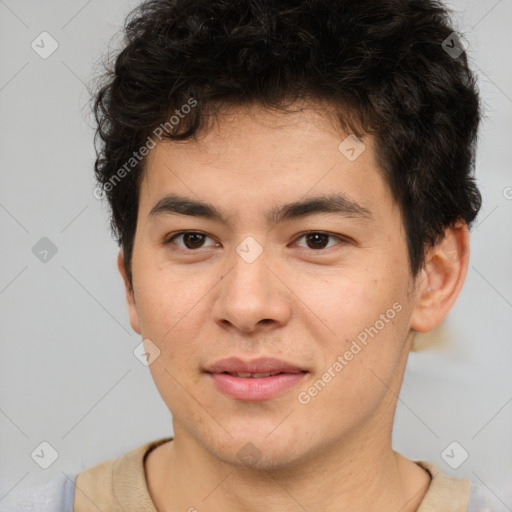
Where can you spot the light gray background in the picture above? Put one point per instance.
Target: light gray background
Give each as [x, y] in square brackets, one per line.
[68, 374]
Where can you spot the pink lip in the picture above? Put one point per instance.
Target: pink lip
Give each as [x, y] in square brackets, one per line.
[260, 365]
[249, 388]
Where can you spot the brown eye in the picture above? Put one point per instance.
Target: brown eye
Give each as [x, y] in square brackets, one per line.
[191, 239]
[317, 240]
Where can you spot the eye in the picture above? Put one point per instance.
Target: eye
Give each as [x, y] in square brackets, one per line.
[317, 240]
[191, 239]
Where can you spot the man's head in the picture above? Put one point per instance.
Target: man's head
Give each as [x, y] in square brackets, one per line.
[218, 119]
[381, 67]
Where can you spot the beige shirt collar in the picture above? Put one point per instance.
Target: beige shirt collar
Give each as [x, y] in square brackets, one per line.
[120, 486]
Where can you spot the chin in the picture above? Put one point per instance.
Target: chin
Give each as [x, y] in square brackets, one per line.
[261, 452]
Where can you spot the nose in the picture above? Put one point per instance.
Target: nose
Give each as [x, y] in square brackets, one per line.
[252, 294]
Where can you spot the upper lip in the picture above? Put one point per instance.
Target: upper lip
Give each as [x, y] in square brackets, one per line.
[260, 365]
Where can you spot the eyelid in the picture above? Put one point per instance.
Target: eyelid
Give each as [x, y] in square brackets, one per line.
[343, 239]
[169, 239]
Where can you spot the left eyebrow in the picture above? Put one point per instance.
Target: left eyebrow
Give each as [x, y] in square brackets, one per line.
[334, 203]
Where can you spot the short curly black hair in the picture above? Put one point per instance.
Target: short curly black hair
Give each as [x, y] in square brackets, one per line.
[395, 68]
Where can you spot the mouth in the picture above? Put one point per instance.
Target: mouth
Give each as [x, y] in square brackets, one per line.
[257, 386]
[260, 379]
[261, 365]
[248, 375]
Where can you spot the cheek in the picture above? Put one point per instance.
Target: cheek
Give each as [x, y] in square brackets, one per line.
[171, 318]
[362, 361]
[351, 300]
[173, 310]
[167, 301]
[365, 321]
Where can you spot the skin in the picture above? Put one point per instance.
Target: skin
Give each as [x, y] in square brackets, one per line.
[295, 302]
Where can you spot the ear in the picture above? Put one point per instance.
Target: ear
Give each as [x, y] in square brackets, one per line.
[438, 285]
[130, 296]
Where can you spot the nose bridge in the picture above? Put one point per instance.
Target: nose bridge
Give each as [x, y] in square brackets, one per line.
[249, 292]
[249, 263]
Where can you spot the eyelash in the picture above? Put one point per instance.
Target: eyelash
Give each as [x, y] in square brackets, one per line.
[169, 240]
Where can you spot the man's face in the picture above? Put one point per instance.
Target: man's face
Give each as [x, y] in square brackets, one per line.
[326, 292]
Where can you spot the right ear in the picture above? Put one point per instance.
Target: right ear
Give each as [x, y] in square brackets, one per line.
[130, 297]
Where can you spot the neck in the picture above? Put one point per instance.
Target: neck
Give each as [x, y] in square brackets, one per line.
[353, 474]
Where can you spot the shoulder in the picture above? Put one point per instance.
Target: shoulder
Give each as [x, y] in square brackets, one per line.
[445, 492]
[117, 485]
[53, 495]
[459, 494]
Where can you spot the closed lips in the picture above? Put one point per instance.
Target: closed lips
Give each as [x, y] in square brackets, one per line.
[256, 368]
[257, 379]
[253, 375]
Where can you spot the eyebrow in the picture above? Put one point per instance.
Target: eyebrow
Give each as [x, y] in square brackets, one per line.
[334, 203]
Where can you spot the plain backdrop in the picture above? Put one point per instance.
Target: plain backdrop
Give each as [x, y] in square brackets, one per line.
[68, 373]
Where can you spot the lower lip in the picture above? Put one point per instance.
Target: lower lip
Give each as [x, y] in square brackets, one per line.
[249, 388]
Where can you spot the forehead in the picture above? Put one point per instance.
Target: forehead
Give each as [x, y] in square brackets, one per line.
[255, 158]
